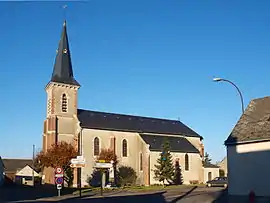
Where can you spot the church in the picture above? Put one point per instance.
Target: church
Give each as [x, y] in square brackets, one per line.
[136, 140]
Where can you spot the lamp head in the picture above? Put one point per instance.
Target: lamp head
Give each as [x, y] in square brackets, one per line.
[217, 79]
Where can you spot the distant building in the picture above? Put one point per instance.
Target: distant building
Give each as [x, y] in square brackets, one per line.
[248, 149]
[19, 171]
[135, 140]
[211, 171]
[223, 166]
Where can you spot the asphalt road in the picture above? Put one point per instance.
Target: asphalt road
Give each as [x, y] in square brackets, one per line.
[176, 195]
[180, 195]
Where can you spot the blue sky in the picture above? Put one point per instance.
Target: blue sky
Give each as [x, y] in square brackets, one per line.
[150, 58]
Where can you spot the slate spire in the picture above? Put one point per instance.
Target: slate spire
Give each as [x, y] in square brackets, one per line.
[62, 71]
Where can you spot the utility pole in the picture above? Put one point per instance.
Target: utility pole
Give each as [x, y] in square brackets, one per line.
[33, 160]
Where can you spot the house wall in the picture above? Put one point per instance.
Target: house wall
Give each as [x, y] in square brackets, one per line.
[135, 146]
[195, 166]
[214, 173]
[224, 166]
[248, 169]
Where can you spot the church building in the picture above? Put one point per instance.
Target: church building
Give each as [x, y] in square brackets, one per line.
[136, 140]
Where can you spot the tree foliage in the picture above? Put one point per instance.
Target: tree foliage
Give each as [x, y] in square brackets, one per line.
[221, 173]
[58, 155]
[178, 178]
[164, 167]
[207, 159]
[108, 155]
[126, 175]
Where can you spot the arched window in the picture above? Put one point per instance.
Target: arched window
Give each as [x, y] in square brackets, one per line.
[186, 162]
[64, 103]
[124, 148]
[96, 146]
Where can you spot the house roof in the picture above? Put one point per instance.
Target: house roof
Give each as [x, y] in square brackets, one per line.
[254, 124]
[62, 71]
[131, 123]
[177, 144]
[25, 172]
[12, 165]
[209, 165]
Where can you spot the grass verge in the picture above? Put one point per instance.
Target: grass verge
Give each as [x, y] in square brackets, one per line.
[138, 188]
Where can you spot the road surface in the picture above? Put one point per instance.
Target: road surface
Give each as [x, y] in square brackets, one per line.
[176, 195]
[180, 195]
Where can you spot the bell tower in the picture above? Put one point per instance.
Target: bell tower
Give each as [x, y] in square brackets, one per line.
[61, 122]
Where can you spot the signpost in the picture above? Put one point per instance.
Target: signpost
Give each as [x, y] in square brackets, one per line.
[59, 179]
[102, 165]
[79, 163]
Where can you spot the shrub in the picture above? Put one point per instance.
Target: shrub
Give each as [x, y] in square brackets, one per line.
[126, 175]
[193, 182]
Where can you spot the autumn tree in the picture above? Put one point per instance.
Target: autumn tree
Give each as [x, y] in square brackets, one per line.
[108, 155]
[58, 155]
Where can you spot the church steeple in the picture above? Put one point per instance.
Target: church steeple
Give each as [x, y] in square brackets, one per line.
[62, 71]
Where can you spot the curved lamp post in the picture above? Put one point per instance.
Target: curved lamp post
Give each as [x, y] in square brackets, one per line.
[238, 90]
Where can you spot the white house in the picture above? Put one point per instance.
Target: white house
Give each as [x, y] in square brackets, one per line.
[248, 149]
[211, 171]
[25, 175]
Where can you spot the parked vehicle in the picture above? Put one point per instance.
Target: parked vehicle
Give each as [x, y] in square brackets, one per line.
[218, 182]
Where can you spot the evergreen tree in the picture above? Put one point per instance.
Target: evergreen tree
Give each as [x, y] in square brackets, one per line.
[178, 178]
[207, 159]
[164, 167]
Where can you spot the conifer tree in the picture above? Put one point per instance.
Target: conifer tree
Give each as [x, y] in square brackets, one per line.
[164, 167]
[178, 178]
[207, 159]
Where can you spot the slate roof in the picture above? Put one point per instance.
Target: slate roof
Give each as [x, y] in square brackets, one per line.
[12, 165]
[177, 144]
[209, 165]
[129, 123]
[62, 71]
[254, 124]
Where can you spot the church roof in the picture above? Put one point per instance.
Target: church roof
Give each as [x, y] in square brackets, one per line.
[62, 71]
[254, 124]
[177, 144]
[129, 123]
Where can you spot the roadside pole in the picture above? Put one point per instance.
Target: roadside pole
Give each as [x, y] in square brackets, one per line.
[78, 163]
[101, 186]
[59, 179]
[79, 172]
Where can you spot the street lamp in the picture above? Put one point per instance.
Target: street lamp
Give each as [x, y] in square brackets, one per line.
[238, 90]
